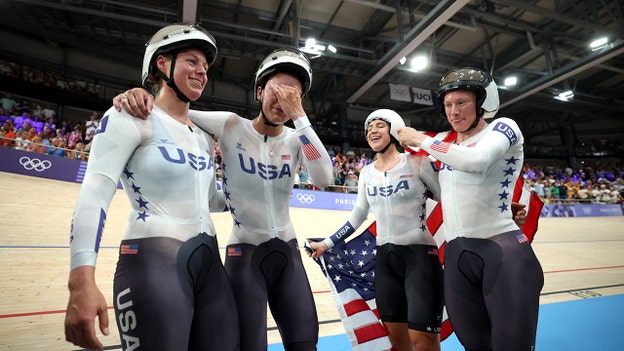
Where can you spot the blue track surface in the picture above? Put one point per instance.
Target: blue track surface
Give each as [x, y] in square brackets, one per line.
[590, 324]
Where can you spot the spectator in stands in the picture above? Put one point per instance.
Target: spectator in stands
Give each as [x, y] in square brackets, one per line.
[297, 183]
[554, 191]
[93, 88]
[8, 103]
[92, 123]
[78, 153]
[538, 186]
[563, 192]
[37, 123]
[605, 194]
[65, 127]
[547, 191]
[8, 134]
[47, 133]
[336, 173]
[50, 122]
[24, 125]
[596, 194]
[351, 184]
[21, 141]
[36, 146]
[75, 136]
[37, 111]
[62, 83]
[304, 177]
[22, 107]
[89, 137]
[4, 115]
[57, 147]
[344, 170]
[49, 112]
[583, 194]
[616, 196]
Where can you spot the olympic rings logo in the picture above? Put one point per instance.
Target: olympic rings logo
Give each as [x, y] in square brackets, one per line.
[306, 198]
[34, 164]
[587, 209]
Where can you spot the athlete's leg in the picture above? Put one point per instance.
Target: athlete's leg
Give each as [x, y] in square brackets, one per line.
[423, 341]
[399, 336]
[464, 296]
[215, 320]
[513, 301]
[250, 294]
[290, 296]
[152, 310]
[424, 293]
[408, 288]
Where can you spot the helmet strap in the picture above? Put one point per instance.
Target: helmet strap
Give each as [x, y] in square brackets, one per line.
[473, 125]
[382, 151]
[264, 119]
[392, 141]
[171, 83]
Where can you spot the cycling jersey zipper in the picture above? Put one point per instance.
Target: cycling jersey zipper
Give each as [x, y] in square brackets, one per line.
[266, 152]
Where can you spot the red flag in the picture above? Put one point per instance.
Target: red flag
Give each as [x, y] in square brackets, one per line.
[524, 195]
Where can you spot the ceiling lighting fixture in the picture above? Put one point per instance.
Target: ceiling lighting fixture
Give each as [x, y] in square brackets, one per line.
[565, 96]
[511, 81]
[313, 48]
[599, 43]
[419, 63]
[403, 60]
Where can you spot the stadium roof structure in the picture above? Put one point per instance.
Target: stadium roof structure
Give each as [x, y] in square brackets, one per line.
[360, 46]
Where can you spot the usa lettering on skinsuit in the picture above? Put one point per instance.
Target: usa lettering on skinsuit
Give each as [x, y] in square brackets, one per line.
[506, 131]
[387, 190]
[127, 321]
[263, 170]
[198, 163]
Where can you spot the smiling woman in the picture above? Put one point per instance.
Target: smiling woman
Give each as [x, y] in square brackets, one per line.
[169, 231]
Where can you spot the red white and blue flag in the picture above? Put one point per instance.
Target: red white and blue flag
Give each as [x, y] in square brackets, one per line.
[350, 271]
[440, 146]
[309, 150]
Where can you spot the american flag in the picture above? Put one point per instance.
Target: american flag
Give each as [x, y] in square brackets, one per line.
[129, 249]
[350, 271]
[234, 251]
[440, 146]
[309, 150]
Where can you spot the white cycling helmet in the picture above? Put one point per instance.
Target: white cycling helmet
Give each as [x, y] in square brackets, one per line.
[176, 37]
[392, 118]
[475, 79]
[285, 60]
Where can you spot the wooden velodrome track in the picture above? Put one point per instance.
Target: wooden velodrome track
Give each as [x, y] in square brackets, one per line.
[581, 258]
